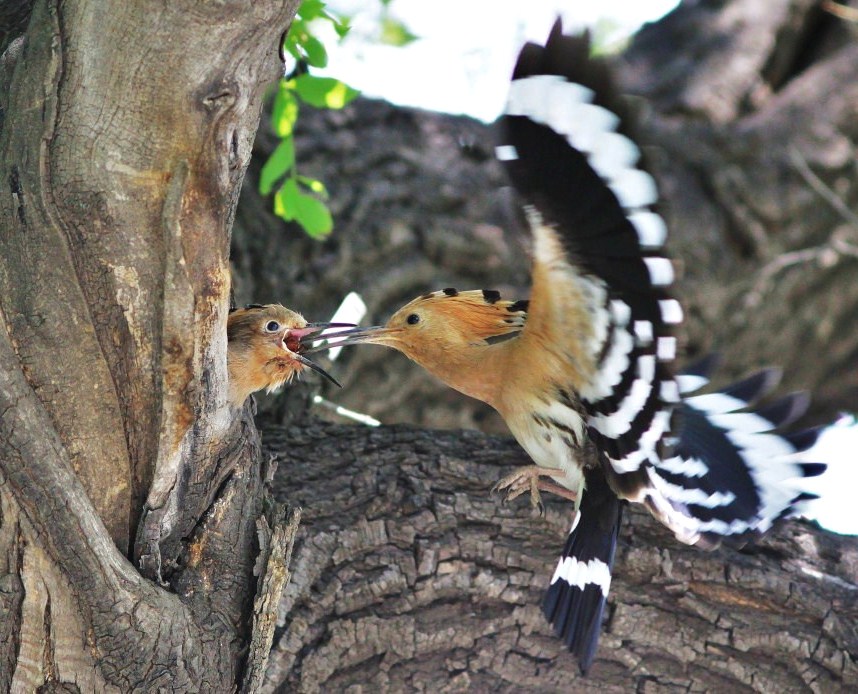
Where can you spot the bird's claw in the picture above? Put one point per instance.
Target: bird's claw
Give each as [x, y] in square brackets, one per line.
[519, 482]
[527, 479]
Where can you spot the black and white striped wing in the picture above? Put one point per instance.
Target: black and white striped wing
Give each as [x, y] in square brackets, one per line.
[566, 148]
[708, 466]
[568, 154]
[735, 469]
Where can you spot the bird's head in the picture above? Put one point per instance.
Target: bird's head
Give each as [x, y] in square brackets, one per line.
[265, 349]
[446, 332]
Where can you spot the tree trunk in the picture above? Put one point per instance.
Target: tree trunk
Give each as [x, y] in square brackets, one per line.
[131, 500]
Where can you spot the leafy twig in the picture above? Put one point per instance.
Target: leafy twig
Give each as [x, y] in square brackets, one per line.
[301, 198]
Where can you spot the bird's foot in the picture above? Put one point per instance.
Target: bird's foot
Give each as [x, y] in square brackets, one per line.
[527, 479]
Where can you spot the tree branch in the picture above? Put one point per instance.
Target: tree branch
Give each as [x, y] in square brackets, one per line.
[408, 575]
[273, 570]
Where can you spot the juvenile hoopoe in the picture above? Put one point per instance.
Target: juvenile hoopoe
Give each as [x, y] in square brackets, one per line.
[264, 348]
[583, 372]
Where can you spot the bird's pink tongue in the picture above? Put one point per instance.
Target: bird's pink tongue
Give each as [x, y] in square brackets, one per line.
[292, 338]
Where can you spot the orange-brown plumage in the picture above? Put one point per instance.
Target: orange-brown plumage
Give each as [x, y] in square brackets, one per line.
[463, 338]
[264, 349]
[498, 352]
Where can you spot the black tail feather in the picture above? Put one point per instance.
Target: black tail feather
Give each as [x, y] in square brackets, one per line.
[786, 410]
[575, 600]
[731, 474]
[755, 386]
[813, 469]
[803, 439]
[703, 366]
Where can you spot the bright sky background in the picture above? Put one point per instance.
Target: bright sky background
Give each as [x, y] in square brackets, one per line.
[463, 60]
[462, 64]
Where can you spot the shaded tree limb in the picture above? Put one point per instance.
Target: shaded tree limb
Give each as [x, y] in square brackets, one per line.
[409, 576]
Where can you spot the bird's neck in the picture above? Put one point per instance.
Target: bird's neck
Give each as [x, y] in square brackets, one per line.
[249, 372]
[477, 371]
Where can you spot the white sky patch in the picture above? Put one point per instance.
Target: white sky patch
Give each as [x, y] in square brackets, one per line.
[351, 310]
[464, 57]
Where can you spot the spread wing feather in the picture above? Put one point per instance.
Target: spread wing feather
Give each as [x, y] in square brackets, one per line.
[566, 147]
[708, 466]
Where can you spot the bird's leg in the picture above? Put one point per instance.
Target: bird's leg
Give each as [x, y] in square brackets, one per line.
[527, 478]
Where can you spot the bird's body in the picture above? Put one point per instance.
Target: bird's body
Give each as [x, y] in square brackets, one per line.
[264, 349]
[583, 372]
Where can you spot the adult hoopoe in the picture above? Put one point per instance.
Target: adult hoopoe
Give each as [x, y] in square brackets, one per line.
[264, 348]
[583, 372]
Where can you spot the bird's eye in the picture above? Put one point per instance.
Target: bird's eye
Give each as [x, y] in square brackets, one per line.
[272, 326]
[413, 319]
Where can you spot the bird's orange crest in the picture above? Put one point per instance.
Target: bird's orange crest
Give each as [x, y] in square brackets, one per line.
[480, 314]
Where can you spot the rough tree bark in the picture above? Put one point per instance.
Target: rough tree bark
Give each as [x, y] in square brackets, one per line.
[407, 575]
[131, 501]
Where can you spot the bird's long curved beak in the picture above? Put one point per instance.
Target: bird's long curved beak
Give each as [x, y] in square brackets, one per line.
[313, 331]
[376, 334]
[318, 369]
[293, 341]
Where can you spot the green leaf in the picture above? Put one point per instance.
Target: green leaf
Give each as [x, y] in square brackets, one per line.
[395, 33]
[324, 92]
[295, 37]
[342, 25]
[284, 200]
[281, 162]
[314, 185]
[310, 9]
[297, 199]
[284, 111]
[314, 216]
[315, 51]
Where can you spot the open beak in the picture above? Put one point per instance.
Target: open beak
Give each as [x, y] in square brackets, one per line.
[293, 340]
[313, 331]
[375, 334]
